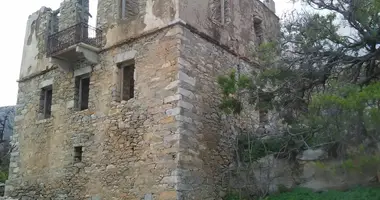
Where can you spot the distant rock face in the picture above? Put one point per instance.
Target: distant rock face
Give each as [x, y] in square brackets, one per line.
[9, 113]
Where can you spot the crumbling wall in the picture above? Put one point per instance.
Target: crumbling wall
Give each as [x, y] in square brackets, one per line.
[207, 134]
[148, 15]
[71, 13]
[236, 30]
[38, 29]
[34, 53]
[169, 142]
[129, 148]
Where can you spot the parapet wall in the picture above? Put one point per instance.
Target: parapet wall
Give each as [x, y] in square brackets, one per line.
[43, 23]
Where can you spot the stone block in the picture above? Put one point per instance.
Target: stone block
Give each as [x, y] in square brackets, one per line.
[172, 98]
[82, 71]
[186, 93]
[182, 76]
[125, 56]
[168, 195]
[173, 112]
[172, 85]
[186, 105]
[46, 83]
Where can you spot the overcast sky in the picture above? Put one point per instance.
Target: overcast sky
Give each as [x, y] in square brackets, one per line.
[13, 17]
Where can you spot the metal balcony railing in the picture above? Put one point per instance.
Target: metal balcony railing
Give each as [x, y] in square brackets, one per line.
[79, 33]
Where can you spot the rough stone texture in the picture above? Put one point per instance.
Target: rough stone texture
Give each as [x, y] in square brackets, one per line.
[168, 142]
[34, 58]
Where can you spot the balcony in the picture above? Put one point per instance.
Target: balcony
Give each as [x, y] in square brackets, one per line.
[77, 42]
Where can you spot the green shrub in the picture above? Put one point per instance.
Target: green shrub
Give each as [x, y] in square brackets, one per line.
[3, 176]
[252, 148]
[232, 196]
[306, 194]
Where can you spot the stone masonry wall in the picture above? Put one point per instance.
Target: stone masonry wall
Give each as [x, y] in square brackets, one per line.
[207, 135]
[70, 13]
[130, 148]
[150, 15]
[238, 30]
[169, 142]
[34, 51]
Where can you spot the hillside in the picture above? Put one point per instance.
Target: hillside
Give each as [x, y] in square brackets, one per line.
[9, 112]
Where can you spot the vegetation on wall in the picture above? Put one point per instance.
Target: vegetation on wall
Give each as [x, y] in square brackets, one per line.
[307, 194]
[321, 81]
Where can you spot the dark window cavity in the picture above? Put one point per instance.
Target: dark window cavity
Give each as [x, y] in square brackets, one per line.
[258, 31]
[78, 153]
[219, 11]
[127, 81]
[82, 87]
[129, 8]
[46, 97]
[263, 105]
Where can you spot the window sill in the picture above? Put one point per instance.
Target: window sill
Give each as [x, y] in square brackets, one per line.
[79, 164]
[43, 121]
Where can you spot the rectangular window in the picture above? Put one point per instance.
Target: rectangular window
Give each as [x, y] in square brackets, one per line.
[263, 105]
[258, 31]
[129, 8]
[78, 153]
[46, 97]
[82, 86]
[127, 82]
[219, 11]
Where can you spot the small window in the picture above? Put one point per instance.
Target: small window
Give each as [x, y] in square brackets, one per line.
[78, 153]
[263, 105]
[127, 82]
[258, 31]
[129, 8]
[46, 97]
[82, 87]
[219, 11]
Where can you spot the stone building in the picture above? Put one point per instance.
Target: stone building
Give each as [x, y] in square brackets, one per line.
[129, 109]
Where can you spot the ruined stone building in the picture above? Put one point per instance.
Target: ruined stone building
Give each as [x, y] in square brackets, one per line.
[129, 109]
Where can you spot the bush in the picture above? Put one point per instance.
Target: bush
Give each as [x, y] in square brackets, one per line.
[3, 176]
[306, 194]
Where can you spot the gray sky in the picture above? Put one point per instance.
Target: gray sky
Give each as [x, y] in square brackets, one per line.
[13, 16]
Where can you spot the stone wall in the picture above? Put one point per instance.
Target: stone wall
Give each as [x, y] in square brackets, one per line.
[207, 135]
[34, 59]
[71, 13]
[34, 52]
[150, 15]
[238, 31]
[170, 141]
[130, 148]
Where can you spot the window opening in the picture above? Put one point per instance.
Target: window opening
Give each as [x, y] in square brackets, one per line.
[54, 21]
[78, 153]
[219, 10]
[82, 91]
[129, 8]
[127, 82]
[258, 31]
[46, 97]
[263, 105]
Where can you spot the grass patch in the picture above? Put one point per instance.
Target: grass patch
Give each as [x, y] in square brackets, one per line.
[306, 194]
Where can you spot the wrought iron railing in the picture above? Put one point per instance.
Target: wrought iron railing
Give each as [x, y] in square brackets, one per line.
[79, 33]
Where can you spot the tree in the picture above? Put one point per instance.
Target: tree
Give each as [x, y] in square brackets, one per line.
[324, 83]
